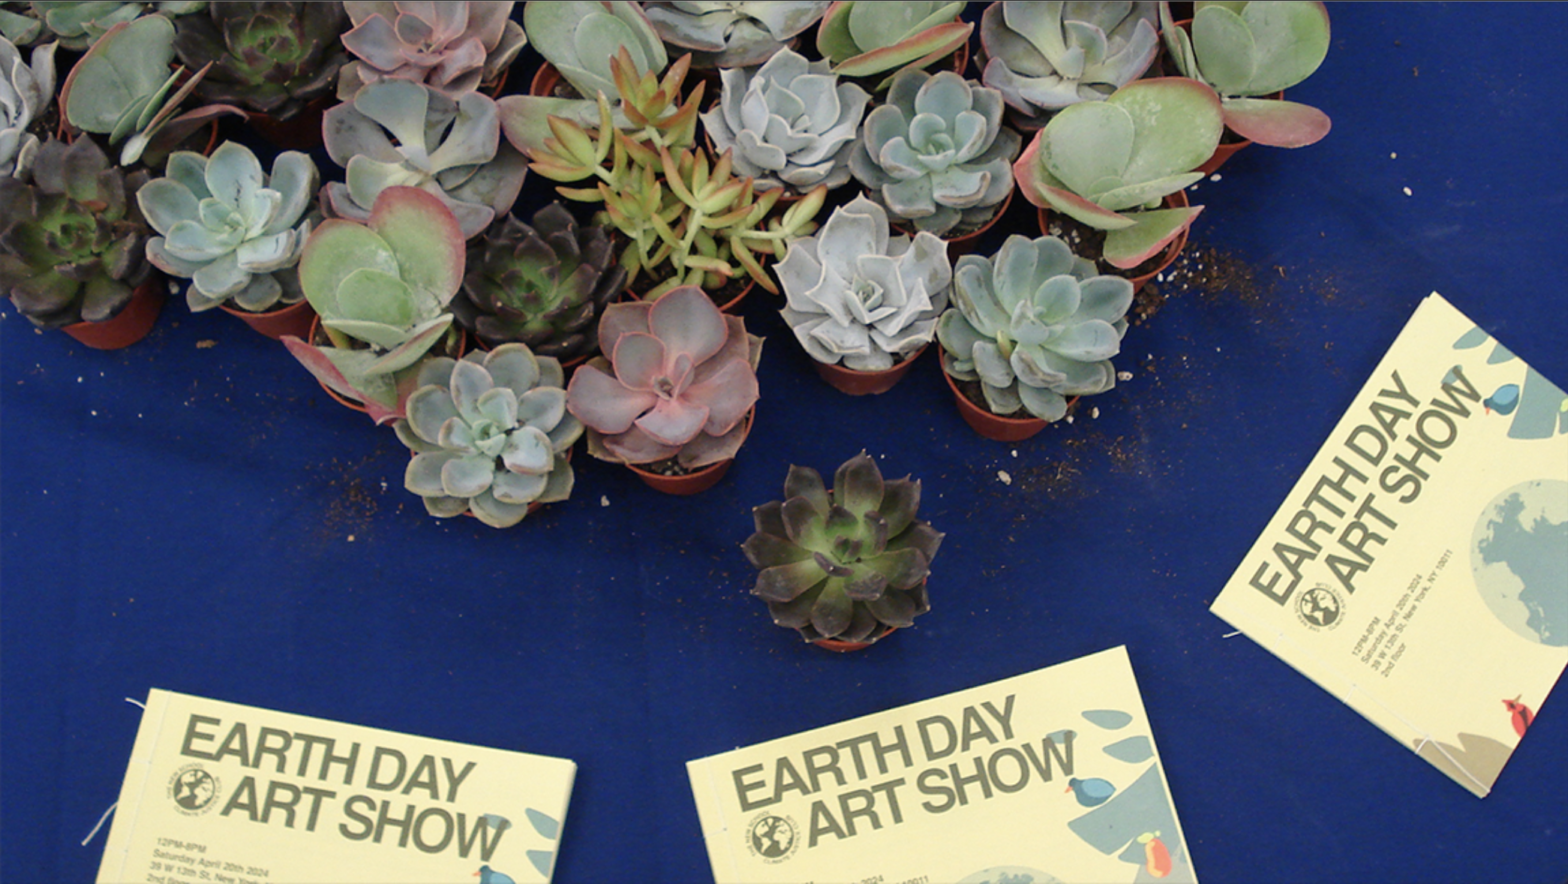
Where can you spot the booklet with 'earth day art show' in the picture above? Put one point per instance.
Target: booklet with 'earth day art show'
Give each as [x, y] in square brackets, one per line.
[1050, 777]
[1418, 570]
[219, 793]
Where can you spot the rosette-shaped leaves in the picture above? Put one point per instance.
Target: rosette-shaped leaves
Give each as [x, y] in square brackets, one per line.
[451, 47]
[790, 122]
[936, 154]
[865, 39]
[230, 228]
[401, 134]
[678, 383]
[1249, 50]
[1108, 163]
[847, 564]
[490, 435]
[385, 284]
[1045, 56]
[1035, 326]
[580, 37]
[78, 25]
[270, 56]
[732, 33]
[25, 92]
[71, 240]
[543, 284]
[859, 296]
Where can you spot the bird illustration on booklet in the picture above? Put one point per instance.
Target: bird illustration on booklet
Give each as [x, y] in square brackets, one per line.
[1419, 568]
[1045, 778]
[231, 794]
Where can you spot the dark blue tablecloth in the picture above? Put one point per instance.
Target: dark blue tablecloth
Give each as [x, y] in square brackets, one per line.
[194, 513]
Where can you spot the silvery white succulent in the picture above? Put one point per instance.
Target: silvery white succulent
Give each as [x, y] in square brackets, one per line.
[1045, 56]
[791, 123]
[1034, 326]
[732, 33]
[230, 228]
[402, 133]
[936, 154]
[25, 91]
[859, 296]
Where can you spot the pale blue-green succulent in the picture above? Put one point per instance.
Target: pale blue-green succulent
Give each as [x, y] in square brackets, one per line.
[230, 228]
[1045, 56]
[77, 25]
[791, 123]
[1034, 326]
[732, 33]
[936, 154]
[579, 37]
[490, 435]
[25, 92]
[865, 39]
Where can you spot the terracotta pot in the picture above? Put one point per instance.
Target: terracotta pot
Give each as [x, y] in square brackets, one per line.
[843, 647]
[965, 243]
[130, 325]
[1177, 200]
[295, 319]
[866, 383]
[299, 132]
[693, 482]
[545, 80]
[993, 426]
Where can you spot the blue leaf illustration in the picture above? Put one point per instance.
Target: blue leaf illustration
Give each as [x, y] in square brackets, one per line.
[1131, 750]
[544, 824]
[542, 860]
[1110, 719]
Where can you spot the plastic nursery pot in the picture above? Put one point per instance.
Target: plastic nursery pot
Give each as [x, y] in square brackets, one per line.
[866, 383]
[545, 81]
[130, 325]
[729, 306]
[694, 482]
[297, 319]
[1148, 269]
[843, 647]
[964, 243]
[299, 132]
[994, 426]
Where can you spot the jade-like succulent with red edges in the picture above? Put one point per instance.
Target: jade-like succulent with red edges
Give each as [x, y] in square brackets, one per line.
[847, 564]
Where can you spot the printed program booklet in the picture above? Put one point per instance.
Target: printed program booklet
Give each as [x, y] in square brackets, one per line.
[1418, 570]
[1045, 778]
[221, 793]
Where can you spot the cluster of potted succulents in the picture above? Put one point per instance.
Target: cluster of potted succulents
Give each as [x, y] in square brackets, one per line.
[695, 144]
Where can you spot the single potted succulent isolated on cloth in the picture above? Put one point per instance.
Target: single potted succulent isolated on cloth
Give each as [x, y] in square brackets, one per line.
[732, 33]
[26, 89]
[790, 123]
[1034, 327]
[233, 230]
[1109, 164]
[398, 133]
[271, 57]
[1045, 56]
[865, 39]
[381, 289]
[936, 155]
[674, 393]
[845, 566]
[1248, 53]
[543, 283]
[489, 434]
[72, 245]
[451, 47]
[860, 297]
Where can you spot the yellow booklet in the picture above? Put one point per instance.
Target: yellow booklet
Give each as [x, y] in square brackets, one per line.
[1042, 778]
[219, 793]
[1419, 569]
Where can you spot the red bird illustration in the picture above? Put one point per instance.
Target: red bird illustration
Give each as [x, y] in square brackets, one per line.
[1522, 715]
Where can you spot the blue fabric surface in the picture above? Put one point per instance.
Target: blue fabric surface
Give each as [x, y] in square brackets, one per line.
[194, 513]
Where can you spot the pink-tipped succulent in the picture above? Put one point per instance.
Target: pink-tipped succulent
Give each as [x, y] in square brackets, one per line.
[679, 382]
[451, 47]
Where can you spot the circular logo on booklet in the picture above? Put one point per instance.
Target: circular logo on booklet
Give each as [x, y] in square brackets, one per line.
[193, 790]
[772, 838]
[1320, 607]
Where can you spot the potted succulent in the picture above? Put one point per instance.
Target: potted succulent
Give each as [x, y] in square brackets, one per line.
[28, 89]
[862, 303]
[1250, 53]
[381, 291]
[876, 40]
[1033, 328]
[1046, 56]
[790, 123]
[543, 283]
[579, 38]
[936, 155]
[732, 33]
[72, 247]
[401, 133]
[235, 233]
[489, 435]
[673, 397]
[1109, 165]
[843, 566]
[77, 24]
[452, 47]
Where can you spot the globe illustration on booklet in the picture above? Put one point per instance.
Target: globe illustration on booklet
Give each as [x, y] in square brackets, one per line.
[1519, 555]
